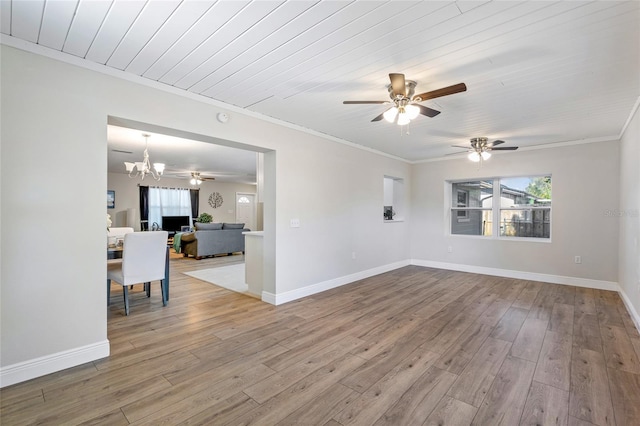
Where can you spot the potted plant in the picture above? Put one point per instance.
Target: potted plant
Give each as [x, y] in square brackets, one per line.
[204, 218]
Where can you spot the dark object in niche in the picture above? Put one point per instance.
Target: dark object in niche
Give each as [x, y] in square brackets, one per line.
[389, 213]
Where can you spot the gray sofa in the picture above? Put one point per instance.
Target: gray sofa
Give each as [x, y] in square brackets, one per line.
[213, 238]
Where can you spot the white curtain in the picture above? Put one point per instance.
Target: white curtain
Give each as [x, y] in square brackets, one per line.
[168, 202]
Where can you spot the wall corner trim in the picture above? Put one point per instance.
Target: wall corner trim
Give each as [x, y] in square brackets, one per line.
[41, 366]
[288, 296]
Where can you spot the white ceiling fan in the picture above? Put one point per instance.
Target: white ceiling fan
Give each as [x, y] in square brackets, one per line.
[197, 179]
[405, 104]
[480, 148]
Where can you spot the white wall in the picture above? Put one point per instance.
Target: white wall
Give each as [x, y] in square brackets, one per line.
[53, 230]
[127, 195]
[628, 216]
[585, 184]
[53, 233]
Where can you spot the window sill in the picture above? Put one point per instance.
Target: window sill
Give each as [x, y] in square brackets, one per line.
[531, 239]
[393, 220]
[491, 238]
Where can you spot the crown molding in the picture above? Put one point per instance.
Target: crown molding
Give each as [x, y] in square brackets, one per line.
[112, 72]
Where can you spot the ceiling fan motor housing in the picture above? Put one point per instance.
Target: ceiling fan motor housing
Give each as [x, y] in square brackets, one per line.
[479, 144]
[409, 90]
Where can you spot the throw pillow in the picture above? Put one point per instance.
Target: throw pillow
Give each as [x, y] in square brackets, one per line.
[233, 226]
[187, 237]
[208, 226]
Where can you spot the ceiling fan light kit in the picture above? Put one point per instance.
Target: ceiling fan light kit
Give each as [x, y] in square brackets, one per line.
[390, 114]
[144, 167]
[477, 156]
[196, 179]
[404, 104]
[480, 149]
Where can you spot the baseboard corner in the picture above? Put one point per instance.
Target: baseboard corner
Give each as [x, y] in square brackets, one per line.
[299, 293]
[635, 317]
[27, 370]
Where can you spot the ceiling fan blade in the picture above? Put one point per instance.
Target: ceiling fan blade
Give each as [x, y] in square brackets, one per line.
[363, 102]
[457, 153]
[494, 143]
[398, 84]
[378, 118]
[456, 88]
[427, 111]
[460, 146]
[504, 148]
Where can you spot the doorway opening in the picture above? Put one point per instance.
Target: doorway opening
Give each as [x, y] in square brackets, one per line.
[246, 210]
[245, 200]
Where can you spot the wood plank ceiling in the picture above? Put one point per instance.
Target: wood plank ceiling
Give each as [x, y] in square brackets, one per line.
[537, 72]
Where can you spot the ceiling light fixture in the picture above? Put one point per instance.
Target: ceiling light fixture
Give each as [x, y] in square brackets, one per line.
[403, 111]
[476, 156]
[195, 178]
[144, 167]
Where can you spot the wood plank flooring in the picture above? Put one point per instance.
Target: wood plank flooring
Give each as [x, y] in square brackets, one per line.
[415, 346]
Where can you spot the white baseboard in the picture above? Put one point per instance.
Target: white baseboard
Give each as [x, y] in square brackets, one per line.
[288, 296]
[533, 276]
[27, 370]
[278, 299]
[632, 311]
[268, 297]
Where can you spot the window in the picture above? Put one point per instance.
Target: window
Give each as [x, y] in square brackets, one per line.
[168, 202]
[524, 210]
[525, 207]
[471, 207]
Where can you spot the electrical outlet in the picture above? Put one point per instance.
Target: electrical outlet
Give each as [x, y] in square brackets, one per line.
[353, 255]
[577, 259]
[449, 249]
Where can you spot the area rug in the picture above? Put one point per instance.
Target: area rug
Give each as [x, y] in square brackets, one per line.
[230, 277]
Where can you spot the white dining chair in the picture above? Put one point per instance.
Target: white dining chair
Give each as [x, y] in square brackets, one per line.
[144, 260]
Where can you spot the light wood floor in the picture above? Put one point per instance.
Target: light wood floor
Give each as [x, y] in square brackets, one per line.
[415, 346]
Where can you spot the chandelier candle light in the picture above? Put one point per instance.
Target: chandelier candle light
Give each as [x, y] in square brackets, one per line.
[144, 167]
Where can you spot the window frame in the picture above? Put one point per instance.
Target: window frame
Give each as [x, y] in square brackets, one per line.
[496, 209]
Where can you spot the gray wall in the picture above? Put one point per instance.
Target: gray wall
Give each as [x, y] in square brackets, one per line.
[585, 184]
[628, 215]
[53, 236]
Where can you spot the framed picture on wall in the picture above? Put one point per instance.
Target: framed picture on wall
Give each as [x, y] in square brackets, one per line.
[111, 199]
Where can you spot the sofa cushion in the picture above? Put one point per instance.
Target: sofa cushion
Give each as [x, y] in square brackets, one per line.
[208, 226]
[233, 226]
